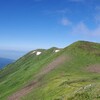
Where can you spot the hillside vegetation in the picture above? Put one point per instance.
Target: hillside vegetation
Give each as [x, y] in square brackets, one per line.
[71, 73]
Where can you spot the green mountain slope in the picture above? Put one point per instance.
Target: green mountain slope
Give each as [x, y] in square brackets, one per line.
[70, 74]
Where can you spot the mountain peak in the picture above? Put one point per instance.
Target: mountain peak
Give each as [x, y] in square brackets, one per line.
[85, 45]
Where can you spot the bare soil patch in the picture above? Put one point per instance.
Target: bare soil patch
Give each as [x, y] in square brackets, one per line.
[23, 91]
[94, 68]
[35, 83]
[56, 63]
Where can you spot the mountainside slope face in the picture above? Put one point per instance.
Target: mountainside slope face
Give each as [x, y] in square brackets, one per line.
[71, 73]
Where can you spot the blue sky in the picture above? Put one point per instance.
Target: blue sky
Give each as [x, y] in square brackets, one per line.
[31, 24]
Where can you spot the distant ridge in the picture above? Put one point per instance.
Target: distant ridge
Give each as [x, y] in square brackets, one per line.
[5, 61]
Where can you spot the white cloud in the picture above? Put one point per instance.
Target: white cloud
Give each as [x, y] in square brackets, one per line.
[82, 29]
[97, 18]
[97, 14]
[96, 32]
[97, 7]
[65, 22]
[61, 13]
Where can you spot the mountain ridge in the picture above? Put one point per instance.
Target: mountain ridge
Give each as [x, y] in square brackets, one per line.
[63, 75]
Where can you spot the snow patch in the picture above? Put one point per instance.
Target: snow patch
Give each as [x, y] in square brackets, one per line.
[33, 52]
[38, 53]
[57, 50]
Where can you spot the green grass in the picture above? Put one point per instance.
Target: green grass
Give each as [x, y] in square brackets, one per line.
[69, 81]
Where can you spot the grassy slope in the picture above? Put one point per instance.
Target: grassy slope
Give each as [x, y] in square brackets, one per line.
[70, 81]
[17, 75]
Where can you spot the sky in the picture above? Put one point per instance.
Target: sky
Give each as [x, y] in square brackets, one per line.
[30, 24]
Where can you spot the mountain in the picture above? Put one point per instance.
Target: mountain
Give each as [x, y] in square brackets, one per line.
[71, 73]
[4, 62]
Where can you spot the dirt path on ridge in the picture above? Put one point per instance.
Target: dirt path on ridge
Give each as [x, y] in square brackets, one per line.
[35, 83]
